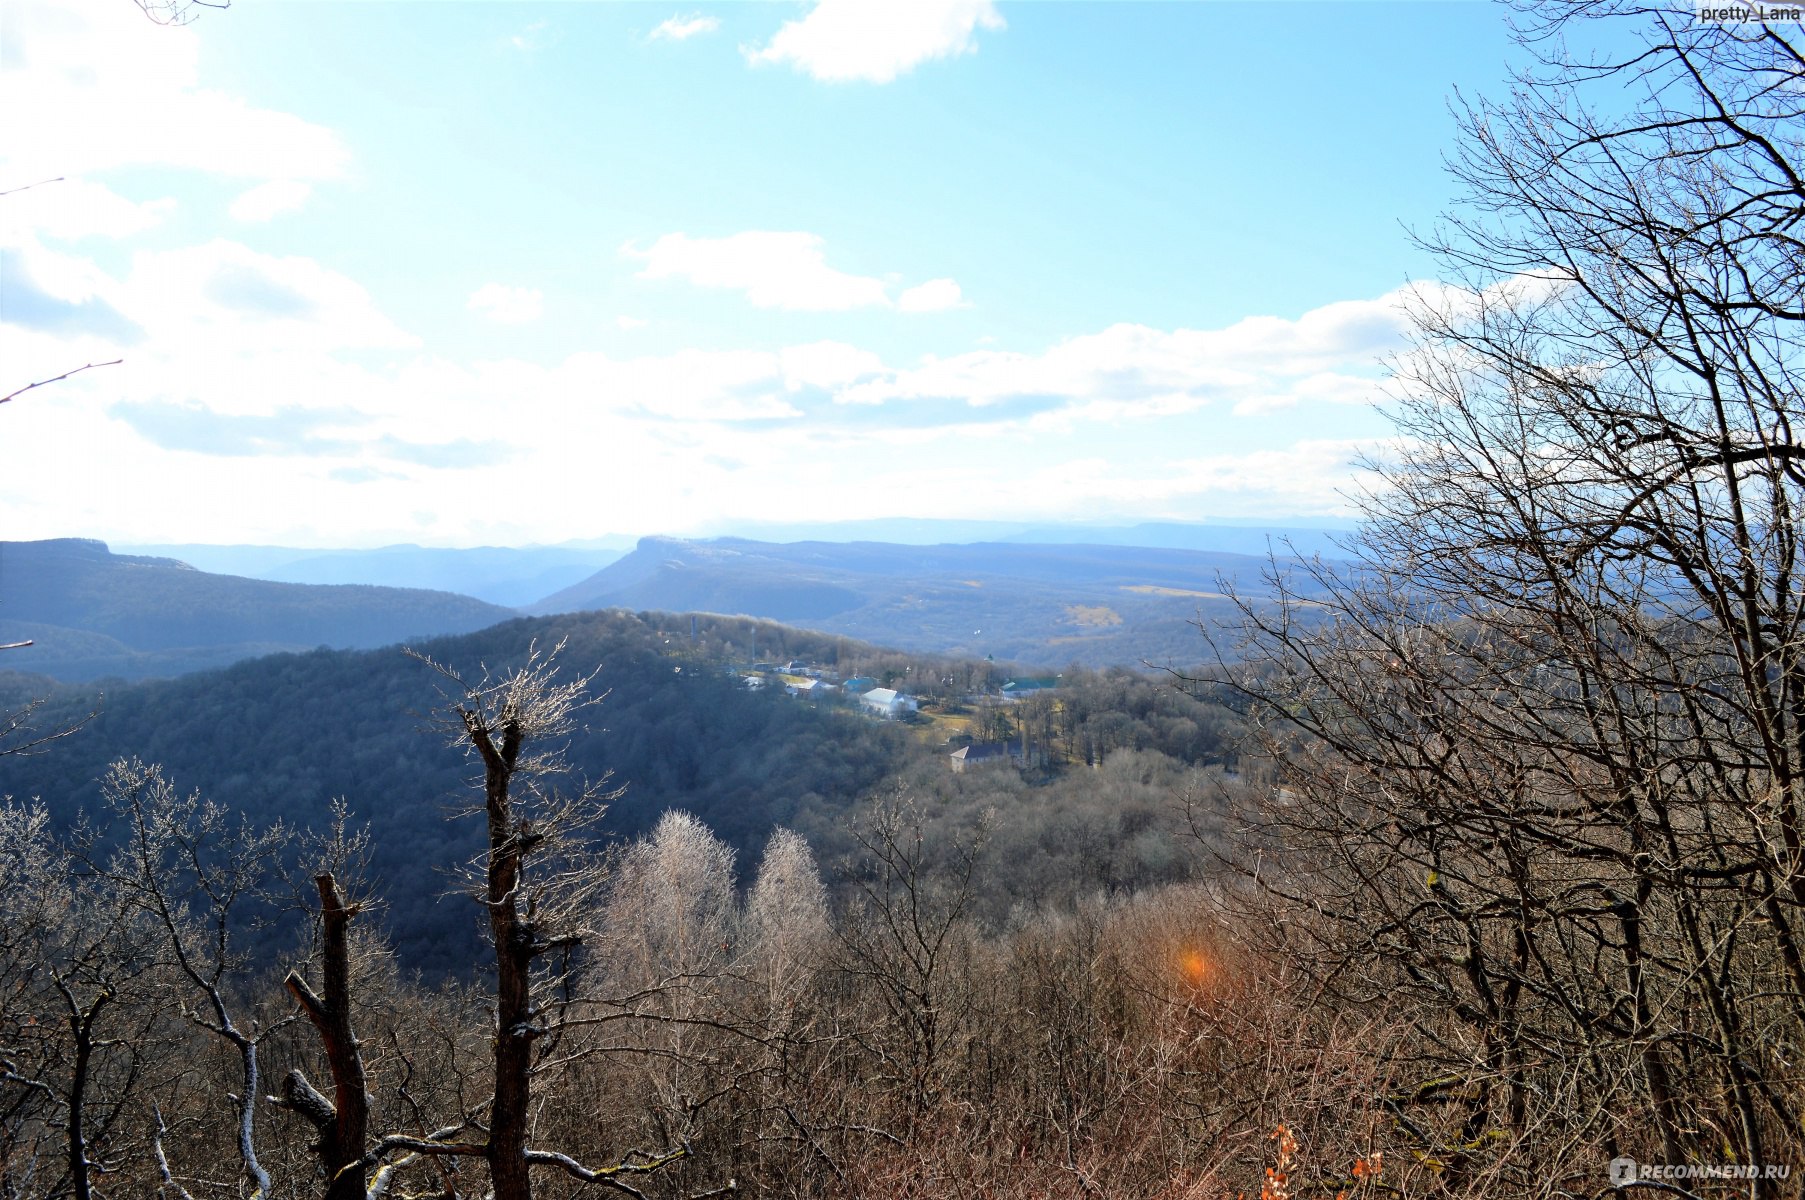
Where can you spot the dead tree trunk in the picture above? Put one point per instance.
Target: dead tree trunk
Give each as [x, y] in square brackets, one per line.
[514, 938]
[343, 1121]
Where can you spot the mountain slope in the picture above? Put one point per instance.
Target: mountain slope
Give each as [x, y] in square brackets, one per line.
[94, 613]
[1038, 604]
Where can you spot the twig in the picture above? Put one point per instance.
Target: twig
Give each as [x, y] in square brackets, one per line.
[58, 378]
[26, 187]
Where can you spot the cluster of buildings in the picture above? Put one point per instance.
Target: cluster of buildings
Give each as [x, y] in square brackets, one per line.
[809, 681]
[812, 683]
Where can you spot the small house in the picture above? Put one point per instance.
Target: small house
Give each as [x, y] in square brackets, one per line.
[981, 754]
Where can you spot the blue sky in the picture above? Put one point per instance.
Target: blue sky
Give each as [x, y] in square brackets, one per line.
[463, 273]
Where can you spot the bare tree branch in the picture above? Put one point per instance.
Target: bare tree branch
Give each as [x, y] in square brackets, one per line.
[58, 378]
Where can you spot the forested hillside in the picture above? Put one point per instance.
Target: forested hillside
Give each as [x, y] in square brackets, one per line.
[93, 614]
[279, 738]
[189, 814]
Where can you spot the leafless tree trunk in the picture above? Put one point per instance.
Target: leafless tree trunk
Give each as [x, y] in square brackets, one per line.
[344, 1121]
[540, 885]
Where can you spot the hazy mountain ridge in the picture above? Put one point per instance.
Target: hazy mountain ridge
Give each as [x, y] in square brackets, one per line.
[1301, 535]
[521, 576]
[92, 613]
[1038, 604]
[504, 575]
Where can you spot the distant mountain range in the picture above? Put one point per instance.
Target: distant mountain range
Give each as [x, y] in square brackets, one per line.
[520, 576]
[1038, 605]
[1305, 536]
[92, 613]
[1124, 595]
[511, 576]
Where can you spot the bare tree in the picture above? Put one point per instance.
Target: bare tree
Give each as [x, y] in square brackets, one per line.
[1545, 771]
[670, 906]
[343, 1121]
[540, 883]
[785, 939]
[178, 12]
[668, 946]
[786, 929]
[902, 935]
[199, 879]
[79, 1033]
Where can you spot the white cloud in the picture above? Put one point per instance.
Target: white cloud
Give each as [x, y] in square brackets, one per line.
[1324, 387]
[782, 270]
[630, 323]
[529, 38]
[775, 270]
[69, 209]
[681, 29]
[688, 386]
[240, 416]
[826, 365]
[936, 295]
[507, 305]
[874, 41]
[1260, 364]
[70, 278]
[1311, 475]
[203, 304]
[269, 200]
[204, 299]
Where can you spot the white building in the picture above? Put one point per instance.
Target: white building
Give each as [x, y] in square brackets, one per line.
[888, 702]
